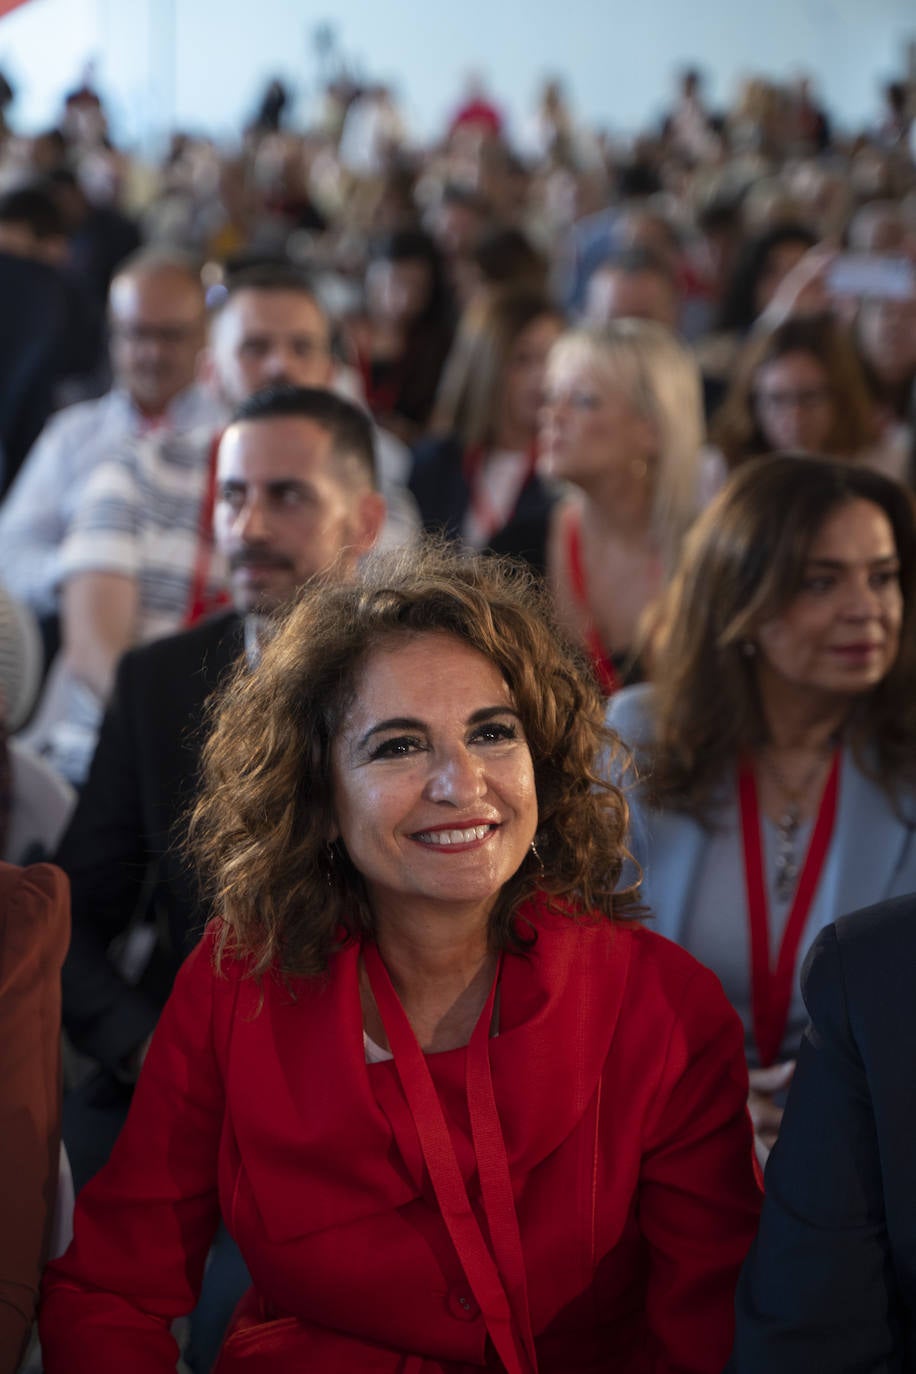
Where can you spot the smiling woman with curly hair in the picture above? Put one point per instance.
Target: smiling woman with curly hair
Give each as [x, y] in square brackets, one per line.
[458, 1108]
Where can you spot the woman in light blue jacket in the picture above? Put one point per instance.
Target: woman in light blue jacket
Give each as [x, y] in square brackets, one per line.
[776, 739]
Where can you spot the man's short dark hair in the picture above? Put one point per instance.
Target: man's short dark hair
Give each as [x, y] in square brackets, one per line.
[34, 206]
[350, 427]
[270, 276]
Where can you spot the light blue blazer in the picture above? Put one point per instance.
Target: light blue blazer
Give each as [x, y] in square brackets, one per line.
[875, 846]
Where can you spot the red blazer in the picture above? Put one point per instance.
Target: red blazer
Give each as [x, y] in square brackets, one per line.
[620, 1082]
[34, 929]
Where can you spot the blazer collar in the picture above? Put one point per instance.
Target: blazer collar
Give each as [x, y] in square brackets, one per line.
[302, 1101]
[872, 839]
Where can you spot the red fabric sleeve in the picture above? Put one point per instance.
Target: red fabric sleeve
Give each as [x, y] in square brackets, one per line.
[144, 1225]
[699, 1187]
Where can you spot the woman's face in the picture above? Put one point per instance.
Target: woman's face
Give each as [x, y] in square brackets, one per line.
[589, 427]
[433, 783]
[840, 633]
[887, 332]
[523, 380]
[794, 403]
[398, 291]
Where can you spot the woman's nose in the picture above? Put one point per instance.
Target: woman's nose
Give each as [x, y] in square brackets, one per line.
[456, 778]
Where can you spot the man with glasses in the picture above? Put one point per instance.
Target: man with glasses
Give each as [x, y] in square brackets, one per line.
[138, 561]
[157, 328]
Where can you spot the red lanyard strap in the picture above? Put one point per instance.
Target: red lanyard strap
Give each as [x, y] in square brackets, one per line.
[602, 663]
[490, 520]
[508, 1322]
[771, 990]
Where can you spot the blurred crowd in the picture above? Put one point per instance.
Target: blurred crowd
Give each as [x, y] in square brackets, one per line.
[570, 347]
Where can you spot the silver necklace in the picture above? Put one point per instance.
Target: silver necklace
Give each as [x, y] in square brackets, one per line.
[788, 824]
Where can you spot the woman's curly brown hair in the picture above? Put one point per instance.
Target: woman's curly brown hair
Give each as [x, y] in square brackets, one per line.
[260, 831]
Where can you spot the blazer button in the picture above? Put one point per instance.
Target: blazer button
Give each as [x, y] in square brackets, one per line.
[462, 1305]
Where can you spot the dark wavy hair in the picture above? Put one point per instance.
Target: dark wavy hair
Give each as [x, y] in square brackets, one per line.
[743, 563]
[259, 832]
[737, 428]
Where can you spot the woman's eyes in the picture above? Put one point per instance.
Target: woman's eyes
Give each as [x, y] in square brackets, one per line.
[495, 732]
[397, 747]
[401, 746]
[818, 584]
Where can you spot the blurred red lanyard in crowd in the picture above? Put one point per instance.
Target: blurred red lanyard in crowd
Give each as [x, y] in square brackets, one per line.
[771, 988]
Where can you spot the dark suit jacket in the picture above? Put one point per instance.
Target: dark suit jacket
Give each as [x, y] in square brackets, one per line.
[830, 1283]
[48, 331]
[120, 849]
[442, 494]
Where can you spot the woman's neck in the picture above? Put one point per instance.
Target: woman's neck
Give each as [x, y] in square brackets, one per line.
[802, 720]
[442, 973]
[617, 506]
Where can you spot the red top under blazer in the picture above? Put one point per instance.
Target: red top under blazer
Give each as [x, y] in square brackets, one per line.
[620, 1084]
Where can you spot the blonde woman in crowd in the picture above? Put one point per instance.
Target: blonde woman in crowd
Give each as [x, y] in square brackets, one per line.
[622, 424]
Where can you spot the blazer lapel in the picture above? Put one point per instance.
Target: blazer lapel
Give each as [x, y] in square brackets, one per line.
[673, 849]
[872, 840]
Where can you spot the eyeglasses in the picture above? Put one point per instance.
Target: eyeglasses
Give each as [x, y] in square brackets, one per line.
[806, 398]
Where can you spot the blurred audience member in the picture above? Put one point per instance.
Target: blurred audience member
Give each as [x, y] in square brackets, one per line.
[688, 128]
[99, 236]
[477, 112]
[49, 332]
[403, 338]
[800, 387]
[636, 285]
[623, 424]
[478, 479]
[157, 328]
[35, 804]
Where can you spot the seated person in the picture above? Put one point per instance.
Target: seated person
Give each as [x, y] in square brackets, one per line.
[35, 803]
[49, 331]
[426, 986]
[139, 561]
[157, 325]
[34, 925]
[295, 500]
[478, 480]
[776, 736]
[830, 1282]
[622, 424]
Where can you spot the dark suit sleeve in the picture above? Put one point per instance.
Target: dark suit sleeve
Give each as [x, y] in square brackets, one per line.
[816, 1291]
[105, 855]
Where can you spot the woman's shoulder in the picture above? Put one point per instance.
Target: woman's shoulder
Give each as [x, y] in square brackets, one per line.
[657, 969]
[630, 714]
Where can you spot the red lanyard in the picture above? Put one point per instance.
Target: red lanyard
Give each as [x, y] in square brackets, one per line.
[489, 519]
[603, 664]
[771, 989]
[200, 602]
[496, 1276]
